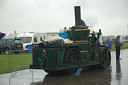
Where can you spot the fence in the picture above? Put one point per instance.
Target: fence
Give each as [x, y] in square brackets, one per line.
[18, 59]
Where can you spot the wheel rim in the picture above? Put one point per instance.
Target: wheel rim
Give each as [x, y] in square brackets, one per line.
[71, 59]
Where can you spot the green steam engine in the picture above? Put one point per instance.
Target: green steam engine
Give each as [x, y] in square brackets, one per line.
[85, 50]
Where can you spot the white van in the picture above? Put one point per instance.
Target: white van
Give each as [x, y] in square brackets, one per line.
[31, 38]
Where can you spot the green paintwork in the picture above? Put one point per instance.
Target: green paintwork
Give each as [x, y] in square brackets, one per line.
[39, 56]
[60, 52]
[82, 34]
[54, 56]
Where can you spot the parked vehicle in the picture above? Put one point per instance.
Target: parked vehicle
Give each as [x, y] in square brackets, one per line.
[30, 38]
[14, 45]
[34, 38]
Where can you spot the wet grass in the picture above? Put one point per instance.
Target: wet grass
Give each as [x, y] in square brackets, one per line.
[125, 46]
[15, 60]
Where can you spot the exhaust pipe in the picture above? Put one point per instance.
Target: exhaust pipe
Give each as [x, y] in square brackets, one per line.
[77, 15]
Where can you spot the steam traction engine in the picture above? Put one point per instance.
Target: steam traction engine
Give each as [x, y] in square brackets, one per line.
[85, 50]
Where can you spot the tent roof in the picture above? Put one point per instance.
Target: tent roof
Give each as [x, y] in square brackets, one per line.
[2, 35]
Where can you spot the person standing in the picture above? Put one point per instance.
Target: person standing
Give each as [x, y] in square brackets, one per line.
[108, 42]
[118, 44]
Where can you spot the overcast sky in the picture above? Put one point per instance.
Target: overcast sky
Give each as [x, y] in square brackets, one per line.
[111, 16]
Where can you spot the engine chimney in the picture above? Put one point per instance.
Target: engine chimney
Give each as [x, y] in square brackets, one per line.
[79, 32]
[77, 15]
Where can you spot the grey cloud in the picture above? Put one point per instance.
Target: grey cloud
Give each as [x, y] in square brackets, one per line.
[45, 15]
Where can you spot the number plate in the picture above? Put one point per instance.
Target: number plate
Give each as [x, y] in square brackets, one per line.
[18, 45]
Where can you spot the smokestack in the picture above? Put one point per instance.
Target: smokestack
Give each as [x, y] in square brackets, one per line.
[77, 15]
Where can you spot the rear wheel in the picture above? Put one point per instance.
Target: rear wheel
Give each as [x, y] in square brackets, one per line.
[105, 58]
[71, 57]
[7, 50]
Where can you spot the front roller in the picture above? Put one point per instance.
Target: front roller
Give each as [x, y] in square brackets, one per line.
[105, 58]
